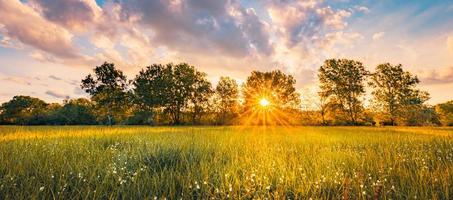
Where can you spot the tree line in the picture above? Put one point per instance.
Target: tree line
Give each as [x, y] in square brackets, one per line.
[179, 94]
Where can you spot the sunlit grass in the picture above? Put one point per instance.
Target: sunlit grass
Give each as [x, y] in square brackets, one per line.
[226, 162]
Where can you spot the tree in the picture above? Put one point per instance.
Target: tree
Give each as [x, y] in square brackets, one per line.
[181, 81]
[227, 99]
[199, 100]
[445, 112]
[23, 110]
[76, 112]
[275, 86]
[395, 91]
[342, 82]
[173, 88]
[108, 89]
[50, 116]
[323, 107]
[276, 89]
[150, 87]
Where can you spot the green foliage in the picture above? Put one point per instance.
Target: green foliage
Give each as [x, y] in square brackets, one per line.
[150, 86]
[225, 163]
[445, 112]
[395, 93]
[342, 84]
[108, 89]
[227, 100]
[199, 100]
[23, 110]
[175, 88]
[180, 94]
[140, 117]
[182, 84]
[275, 86]
[76, 112]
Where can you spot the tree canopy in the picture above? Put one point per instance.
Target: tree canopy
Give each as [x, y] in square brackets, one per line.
[179, 94]
[275, 86]
[342, 82]
[108, 88]
[227, 99]
[395, 90]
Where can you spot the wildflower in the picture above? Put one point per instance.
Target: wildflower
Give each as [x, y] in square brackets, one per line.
[41, 188]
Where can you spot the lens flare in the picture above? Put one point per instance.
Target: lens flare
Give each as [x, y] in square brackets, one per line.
[264, 102]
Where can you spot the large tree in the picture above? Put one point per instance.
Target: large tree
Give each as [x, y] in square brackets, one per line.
[182, 80]
[150, 89]
[174, 88]
[395, 91]
[108, 89]
[23, 110]
[199, 100]
[227, 99]
[342, 82]
[274, 86]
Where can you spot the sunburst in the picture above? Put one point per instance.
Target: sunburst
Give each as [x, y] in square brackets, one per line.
[264, 102]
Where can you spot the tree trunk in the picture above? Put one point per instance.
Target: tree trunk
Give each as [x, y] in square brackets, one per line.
[109, 117]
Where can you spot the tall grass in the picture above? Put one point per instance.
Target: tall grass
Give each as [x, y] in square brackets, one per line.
[226, 162]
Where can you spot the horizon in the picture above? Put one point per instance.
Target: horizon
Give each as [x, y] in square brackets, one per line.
[47, 48]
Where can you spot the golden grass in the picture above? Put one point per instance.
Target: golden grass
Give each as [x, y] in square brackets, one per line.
[226, 162]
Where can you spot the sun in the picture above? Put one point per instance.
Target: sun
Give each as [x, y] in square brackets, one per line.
[264, 102]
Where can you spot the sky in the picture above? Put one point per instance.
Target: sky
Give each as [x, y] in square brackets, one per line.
[47, 47]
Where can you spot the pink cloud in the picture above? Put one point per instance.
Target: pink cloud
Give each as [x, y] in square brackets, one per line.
[22, 23]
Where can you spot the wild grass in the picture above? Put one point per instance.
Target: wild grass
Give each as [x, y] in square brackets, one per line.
[226, 162]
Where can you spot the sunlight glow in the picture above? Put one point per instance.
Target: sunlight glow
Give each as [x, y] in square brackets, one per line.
[264, 102]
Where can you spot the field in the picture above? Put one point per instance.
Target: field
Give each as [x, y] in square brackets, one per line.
[226, 162]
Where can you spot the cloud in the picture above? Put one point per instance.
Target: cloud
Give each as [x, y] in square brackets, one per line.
[450, 43]
[305, 32]
[77, 15]
[42, 56]
[17, 80]
[55, 78]
[362, 9]
[22, 23]
[378, 35]
[255, 30]
[305, 21]
[57, 94]
[7, 42]
[204, 26]
[134, 33]
[438, 76]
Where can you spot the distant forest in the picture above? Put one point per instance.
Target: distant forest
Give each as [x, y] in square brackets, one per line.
[179, 94]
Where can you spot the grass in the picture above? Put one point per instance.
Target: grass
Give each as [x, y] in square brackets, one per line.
[226, 162]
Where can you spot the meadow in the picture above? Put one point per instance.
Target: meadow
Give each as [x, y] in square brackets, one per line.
[98, 162]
